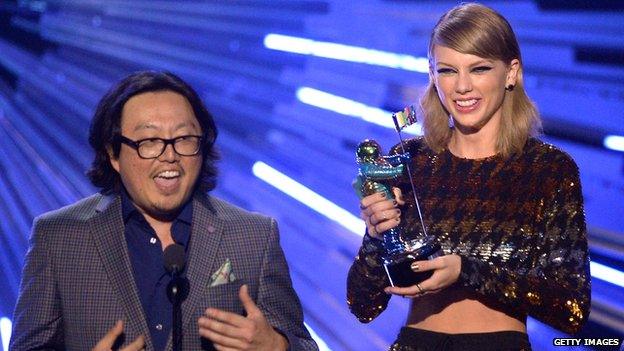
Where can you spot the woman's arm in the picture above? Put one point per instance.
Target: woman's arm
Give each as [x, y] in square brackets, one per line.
[553, 285]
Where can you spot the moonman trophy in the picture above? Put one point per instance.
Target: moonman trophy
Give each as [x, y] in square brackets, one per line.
[376, 173]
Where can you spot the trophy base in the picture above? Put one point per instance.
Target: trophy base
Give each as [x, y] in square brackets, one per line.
[399, 269]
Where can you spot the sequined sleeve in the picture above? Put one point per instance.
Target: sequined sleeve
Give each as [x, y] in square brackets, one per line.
[553, 284]
[366, 281]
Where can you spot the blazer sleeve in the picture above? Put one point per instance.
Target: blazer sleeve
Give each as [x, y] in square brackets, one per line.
[38, 317]
[277, 298]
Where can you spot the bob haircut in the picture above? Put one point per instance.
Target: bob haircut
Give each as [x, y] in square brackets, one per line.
[475, 29]
[105, 128]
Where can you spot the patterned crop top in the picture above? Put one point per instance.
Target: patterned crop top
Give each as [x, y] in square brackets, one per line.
[517, 223]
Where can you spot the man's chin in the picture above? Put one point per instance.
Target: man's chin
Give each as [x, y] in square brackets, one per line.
[166, 211]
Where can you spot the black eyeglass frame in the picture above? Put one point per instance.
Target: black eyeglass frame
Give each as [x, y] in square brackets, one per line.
[135, 144]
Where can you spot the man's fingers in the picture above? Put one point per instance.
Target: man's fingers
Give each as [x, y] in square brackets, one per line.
[109, 339]
[224, 341]
[230, 318]
[136, 345]
[248, 303]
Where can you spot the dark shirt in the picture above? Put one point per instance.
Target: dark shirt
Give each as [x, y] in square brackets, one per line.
[150, 276]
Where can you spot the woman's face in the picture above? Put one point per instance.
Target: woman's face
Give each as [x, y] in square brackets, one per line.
[471, 88]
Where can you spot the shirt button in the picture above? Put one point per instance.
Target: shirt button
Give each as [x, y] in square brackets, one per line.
[153, 241]
[159, 327]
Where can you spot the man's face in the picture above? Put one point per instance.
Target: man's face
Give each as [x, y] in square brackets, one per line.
[158, 187]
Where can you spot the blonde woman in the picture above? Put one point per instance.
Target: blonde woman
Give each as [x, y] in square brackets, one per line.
[506, 208]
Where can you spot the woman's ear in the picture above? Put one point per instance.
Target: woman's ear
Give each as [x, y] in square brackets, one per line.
[512, 72]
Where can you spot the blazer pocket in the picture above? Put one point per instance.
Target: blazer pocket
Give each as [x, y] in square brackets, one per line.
[223, 297]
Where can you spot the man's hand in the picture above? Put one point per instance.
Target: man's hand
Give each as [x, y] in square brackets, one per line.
[230, 331]
[106, 343]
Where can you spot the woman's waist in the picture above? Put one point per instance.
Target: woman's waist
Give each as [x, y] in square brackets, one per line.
[456, 310]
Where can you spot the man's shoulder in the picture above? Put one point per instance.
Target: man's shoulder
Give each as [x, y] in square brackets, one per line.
[230, 212]
[79, 211]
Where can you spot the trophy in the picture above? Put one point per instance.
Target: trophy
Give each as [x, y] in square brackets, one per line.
[376, 173]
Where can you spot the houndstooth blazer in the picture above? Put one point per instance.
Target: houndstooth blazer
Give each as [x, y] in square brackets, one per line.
[77, 279]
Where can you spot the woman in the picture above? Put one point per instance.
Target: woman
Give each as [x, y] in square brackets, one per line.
[506, 208]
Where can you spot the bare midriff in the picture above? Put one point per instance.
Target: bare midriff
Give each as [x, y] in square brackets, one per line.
[455, 310]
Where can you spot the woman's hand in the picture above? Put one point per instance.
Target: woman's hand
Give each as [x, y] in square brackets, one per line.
[380, 213]
[445, 269]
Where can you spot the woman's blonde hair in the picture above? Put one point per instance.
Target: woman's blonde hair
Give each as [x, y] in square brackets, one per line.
[478, 30]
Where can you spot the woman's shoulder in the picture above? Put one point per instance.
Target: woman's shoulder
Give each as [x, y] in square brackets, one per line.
[549, 156]
[413, 146]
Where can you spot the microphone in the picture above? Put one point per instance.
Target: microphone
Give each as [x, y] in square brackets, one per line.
[174, 258]
[177, 289]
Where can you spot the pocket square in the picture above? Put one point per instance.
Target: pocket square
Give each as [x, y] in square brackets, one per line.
[223, 275]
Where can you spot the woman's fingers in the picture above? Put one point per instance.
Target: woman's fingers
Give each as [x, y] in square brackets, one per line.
[381, 216]
[398, 196]
[369, 200]
[379, 213]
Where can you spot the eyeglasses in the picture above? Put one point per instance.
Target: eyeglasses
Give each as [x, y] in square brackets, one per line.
[185, 145]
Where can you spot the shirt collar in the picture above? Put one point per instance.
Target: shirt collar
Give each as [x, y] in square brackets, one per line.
[128, 209]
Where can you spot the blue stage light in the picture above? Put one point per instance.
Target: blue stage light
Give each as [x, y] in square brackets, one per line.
[308, 197]
[344, 52]
[322, 345]
[607, 274]
[614, 142]
[6, 327]
[352, 108]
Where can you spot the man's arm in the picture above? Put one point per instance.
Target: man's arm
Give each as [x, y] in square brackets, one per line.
[38, 317]
[273, 322]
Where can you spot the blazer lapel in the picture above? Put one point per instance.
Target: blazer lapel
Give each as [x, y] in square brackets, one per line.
[107, 229]
[206, 232]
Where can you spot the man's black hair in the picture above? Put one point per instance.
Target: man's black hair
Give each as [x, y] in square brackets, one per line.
[105, 127]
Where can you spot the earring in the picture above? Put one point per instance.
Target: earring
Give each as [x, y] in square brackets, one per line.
[510, 87]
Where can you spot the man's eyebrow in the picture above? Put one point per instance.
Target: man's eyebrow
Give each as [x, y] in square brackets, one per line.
[146, 126]
[185, 124]
[149, 125]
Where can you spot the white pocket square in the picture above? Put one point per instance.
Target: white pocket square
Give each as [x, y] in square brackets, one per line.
[223, 275]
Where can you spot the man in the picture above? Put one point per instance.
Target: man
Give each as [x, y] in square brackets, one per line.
[94, 275]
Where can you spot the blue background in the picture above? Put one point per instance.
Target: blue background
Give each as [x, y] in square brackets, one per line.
[57, 58]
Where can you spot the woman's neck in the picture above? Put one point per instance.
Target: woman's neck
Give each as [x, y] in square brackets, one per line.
[472, 146]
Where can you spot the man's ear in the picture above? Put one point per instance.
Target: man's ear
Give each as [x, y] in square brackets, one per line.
[114, 161]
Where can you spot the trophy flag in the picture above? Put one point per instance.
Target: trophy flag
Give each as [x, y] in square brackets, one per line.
[404, 118]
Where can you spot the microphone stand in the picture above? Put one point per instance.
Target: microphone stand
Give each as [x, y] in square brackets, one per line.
[175, 294]
[177, 290]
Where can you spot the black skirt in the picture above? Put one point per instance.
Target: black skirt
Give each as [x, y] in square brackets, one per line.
[412, 339]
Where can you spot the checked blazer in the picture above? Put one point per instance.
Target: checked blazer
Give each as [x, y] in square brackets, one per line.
[77, 279]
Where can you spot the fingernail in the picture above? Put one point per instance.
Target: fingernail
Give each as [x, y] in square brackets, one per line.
[383, 195]
[415, 267]
[398, 212]
[398, 219]
[394, 203]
